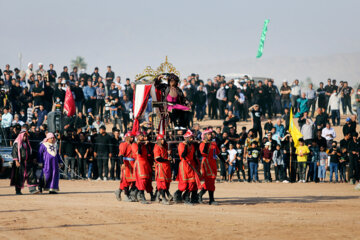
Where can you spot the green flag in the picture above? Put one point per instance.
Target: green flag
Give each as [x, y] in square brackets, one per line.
[262, 39]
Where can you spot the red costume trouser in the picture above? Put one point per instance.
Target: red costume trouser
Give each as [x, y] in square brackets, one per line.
[161, 184]
[144, 184]
[124, 183]
[190, 186]
[209, 184]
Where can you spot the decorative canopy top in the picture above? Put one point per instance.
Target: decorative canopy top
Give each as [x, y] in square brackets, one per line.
[149, 74]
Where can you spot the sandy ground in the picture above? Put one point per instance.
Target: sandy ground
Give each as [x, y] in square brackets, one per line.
[89, 210]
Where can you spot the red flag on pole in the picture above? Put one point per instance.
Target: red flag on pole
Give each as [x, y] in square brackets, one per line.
[69, 104]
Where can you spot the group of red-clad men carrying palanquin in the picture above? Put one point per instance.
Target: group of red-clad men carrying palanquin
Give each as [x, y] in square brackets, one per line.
[141, 160]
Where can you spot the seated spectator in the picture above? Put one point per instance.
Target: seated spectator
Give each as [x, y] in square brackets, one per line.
[98, 123]
[329, 134]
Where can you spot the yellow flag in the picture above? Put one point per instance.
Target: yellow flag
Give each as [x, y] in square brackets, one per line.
[295, 133]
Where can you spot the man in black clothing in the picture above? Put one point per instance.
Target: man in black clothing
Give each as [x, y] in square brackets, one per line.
[256, 116]
[74, 74]
[95, 75]
[354, 151]
[65, 75]
[102, 152]
[259, 96]
[270, 98]
[320, 141]
[52, 75]
[115, 159]
[79, 96]
[24, 98]
[211, 96]
[15, 91]
[344, 143]
[48, 96]
[200, 101]
[38, 93]
[113, 91]
[82, 150]
[68, 145]
[109, 77]
[80, 121]
[321, 119]
[231, 92]
[349, 126]
[320, 92]
[346, 92]
[328, 91]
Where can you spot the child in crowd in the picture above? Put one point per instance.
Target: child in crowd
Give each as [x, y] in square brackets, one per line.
[314, 153]
[224, 155]
[113, 108]
[334, 155]
[58, 105]
[302, 152]
[240, 161]
[344, 159]
[266, 155]
[107, 110]
[278, 159]
[253, 159]
[232, 161]
[322, 163]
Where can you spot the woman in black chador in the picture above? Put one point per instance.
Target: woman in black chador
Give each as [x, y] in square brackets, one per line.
[24, 167]
[177, 103]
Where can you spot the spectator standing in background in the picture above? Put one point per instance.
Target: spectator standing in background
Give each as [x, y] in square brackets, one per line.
[346, 93]
[285, 91]
[102, 153]
[221, 98]
[302, 152]
[211, 97]
[320, 93]
[311, 97]
[100, 100]
[357, 99]
[109, 77]
[74, 74]
[295, 94]
[334, 104]
[65, 74]
[90, 95]
[200, 101]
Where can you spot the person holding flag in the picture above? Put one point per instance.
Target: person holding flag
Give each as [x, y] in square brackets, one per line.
[209, 151]
[69, 103]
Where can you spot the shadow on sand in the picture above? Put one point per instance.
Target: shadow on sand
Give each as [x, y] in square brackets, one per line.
[297, 199]
[61, 226]
[59, 193]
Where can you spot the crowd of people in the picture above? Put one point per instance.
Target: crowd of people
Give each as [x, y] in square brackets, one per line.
[87, 150]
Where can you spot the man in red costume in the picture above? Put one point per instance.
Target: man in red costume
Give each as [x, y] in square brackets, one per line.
[142, 167]
[162, 168]
[209, 151]
[187, 170]
[127, 160]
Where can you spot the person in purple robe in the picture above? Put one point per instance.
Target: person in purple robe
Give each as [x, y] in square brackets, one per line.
[23, 167]
[48, 155]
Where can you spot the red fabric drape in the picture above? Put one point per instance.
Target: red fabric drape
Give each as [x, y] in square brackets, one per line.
[140, 103]
[69, 103]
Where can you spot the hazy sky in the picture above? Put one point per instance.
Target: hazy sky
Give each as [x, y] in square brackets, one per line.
[130, 35]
